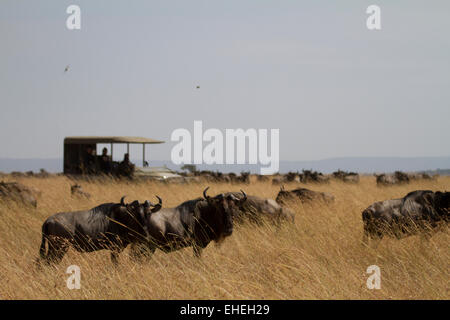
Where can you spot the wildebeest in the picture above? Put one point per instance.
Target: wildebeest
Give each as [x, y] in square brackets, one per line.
[212, 176]
[18, 192]
[193, 223]
[397, 178]
[231, 177]
[350, 177]
[110, 226]
[292, 177]
[77, 191]
[41, 174]
[308, 176]
[262, 178]
[418, 210]
[243, 178]
[277, 180]
[257, 208]
[419, 176]
[304, 195]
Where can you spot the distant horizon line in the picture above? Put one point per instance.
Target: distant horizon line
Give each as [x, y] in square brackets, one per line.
[355, 164]
[330, 158]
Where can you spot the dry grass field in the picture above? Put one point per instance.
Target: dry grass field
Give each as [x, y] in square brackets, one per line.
[320, 257]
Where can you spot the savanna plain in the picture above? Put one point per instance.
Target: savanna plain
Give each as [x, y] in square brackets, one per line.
[320, 256]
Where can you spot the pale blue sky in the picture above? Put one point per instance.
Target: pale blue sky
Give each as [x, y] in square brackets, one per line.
[309, 68]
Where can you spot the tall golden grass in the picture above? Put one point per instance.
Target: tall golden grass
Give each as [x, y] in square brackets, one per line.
[320, 257]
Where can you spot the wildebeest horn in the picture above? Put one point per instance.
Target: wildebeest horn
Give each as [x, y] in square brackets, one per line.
[204, 193]
[157, 206]
[149, 204]
[122, 200]
[245, 196]
[232, 197]
[154, 205]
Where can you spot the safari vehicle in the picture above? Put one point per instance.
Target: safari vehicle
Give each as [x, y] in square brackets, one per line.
[80, 158]
[158, 173]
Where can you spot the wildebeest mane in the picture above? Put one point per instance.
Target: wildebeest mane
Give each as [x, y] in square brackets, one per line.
[420, 201]
[190, 204]
[102, 213]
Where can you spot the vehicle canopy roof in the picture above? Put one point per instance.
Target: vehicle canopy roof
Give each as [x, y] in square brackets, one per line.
[110, 139]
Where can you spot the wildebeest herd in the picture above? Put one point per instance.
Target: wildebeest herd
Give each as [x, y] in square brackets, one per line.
[195, 223]
[418, 211]
[148, 226]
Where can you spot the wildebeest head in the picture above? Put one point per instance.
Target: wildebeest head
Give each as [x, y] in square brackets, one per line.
[138, 214]
[442, 204]
[283, 194]
[225, 207]
[76, 187]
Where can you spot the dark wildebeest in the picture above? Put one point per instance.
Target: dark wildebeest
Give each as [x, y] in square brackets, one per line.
[109, 226]
[243, 178]
[256, 208]
[292, 177]
[288, 177]
[308, 176]
[20, 193]
[304, 195]
[210, 176]
[193, 223]
[418, 210]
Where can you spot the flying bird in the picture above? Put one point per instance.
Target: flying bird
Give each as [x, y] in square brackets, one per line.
[66, 69]
[198, 87]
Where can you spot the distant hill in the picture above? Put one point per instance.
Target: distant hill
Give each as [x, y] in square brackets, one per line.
[51, 165]
[441, 172]
[361, 165]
